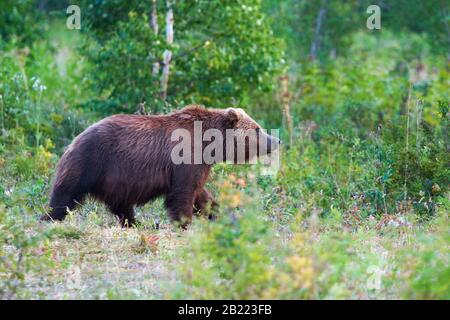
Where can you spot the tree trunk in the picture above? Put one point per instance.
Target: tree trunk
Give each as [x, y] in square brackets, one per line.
[316, 39]
[154, 25]
[285, 102]
[167, 55]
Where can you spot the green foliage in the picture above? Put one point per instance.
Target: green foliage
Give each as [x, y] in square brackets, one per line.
[229, 260]
[126, 82]
[297, 22]
[245, 255]
[426, 266]
[352, 143]
[36, 89]
[33, 91]
[19, 21]
[219, 54]
[102, 17]
[22, 250]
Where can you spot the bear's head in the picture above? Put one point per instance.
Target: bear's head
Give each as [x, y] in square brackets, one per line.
[244, 138]
[218, 135]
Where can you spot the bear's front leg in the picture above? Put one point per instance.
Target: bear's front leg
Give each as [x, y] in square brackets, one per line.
[179, 206]
[186, 182]
[205, 204]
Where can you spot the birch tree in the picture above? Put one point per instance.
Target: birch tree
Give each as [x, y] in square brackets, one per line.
[155, 27]
[167, 55]
[317, 32]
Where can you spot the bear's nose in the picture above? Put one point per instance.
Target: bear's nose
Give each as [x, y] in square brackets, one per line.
[272, 143]
[277, 141]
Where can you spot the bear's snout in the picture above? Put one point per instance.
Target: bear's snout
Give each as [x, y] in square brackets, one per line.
[272, 142]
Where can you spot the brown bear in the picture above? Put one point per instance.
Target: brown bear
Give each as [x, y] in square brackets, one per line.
[128, 160]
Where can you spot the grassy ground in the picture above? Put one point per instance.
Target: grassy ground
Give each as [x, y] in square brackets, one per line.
[107, 262]
[90, 257]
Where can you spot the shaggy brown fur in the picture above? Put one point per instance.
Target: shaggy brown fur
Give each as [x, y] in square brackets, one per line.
[124, 160]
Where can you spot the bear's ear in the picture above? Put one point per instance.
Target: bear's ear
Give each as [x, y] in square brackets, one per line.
[232, 117]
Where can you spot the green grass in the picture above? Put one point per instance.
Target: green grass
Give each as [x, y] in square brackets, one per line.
[106, 263]
[89, 257]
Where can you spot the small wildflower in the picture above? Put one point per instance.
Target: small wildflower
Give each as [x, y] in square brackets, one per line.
[9, 192]
[241, 182]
